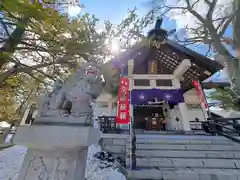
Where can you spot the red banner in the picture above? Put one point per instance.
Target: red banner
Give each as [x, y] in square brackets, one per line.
[123, 116]
[200, 93]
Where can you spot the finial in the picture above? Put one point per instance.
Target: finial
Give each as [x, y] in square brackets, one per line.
[158, 23]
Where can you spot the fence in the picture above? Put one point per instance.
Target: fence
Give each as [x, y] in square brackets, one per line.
[107, 124]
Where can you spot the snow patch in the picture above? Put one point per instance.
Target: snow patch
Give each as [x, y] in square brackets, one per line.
[11, 160]
[100, 165]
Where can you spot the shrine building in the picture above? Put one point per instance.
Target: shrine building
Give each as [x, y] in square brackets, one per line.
[161, 92]
[161, 76]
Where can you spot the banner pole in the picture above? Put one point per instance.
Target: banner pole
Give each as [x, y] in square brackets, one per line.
[205, 99]
[132, 131]
[130, 123]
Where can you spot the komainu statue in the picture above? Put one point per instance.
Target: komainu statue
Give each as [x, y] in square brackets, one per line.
[52, 102]
[71, 101]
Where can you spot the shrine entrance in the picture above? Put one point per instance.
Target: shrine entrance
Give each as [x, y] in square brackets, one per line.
[151, 116]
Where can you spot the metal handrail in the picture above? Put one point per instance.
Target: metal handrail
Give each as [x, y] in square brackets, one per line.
[227, 127]
[132, 146]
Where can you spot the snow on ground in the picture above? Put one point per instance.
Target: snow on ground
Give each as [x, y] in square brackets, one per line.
[100, 166]
[11, 160]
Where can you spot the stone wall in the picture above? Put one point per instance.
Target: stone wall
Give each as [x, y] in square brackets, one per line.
[115, 144]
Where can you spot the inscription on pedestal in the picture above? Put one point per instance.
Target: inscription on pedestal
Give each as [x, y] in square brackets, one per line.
[41, 168]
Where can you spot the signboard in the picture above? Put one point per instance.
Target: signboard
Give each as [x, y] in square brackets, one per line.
[123, 116]
[200, 93]
[152, 67]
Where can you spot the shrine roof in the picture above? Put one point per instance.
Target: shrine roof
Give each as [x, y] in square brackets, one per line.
[170, 55]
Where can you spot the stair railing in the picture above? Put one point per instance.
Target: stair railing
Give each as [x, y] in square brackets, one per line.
[227, 127]
[132, 146]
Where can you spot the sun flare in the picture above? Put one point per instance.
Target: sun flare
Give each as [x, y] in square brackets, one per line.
[114, 46]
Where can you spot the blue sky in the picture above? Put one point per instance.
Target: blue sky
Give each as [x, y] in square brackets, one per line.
[115, 11]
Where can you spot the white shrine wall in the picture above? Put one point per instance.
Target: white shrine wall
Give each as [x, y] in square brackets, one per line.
[194, 110]
[194, 105]
[173, 124]
[105, 105]
[192, 113]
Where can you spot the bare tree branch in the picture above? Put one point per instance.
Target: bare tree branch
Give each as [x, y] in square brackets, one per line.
[37, 79]
[6, 30]
[24, 102]
[195, 13]
[31, 69]
[211, 6]
[224, 26]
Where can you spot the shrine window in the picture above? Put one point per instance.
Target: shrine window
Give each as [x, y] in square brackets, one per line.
[141, 82]
[164, 82]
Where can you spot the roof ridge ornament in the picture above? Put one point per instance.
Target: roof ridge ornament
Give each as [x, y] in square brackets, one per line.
[159, 34]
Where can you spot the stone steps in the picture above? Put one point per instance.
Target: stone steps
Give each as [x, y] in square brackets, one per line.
[187, 147]
[185, 174]
[189, 162]
[196, 132]
[152, 138]
[185, 157]
[182, 140]
[188, 154]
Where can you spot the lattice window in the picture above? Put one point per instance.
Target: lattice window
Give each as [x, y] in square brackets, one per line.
[170, 61]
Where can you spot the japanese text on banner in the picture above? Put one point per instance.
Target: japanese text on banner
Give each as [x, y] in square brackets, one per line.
[123, 102]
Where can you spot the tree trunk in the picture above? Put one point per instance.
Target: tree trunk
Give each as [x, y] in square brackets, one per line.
[235, 69]
[232, 62]
[12, 42]
[236, 24]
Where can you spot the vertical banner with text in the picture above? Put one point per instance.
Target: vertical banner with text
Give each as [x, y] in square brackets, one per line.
[123, 116]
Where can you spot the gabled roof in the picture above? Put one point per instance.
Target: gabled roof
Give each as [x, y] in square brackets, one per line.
[170, 55]
[204, 61]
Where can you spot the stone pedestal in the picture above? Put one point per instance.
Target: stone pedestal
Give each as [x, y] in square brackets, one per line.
[55, 152]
